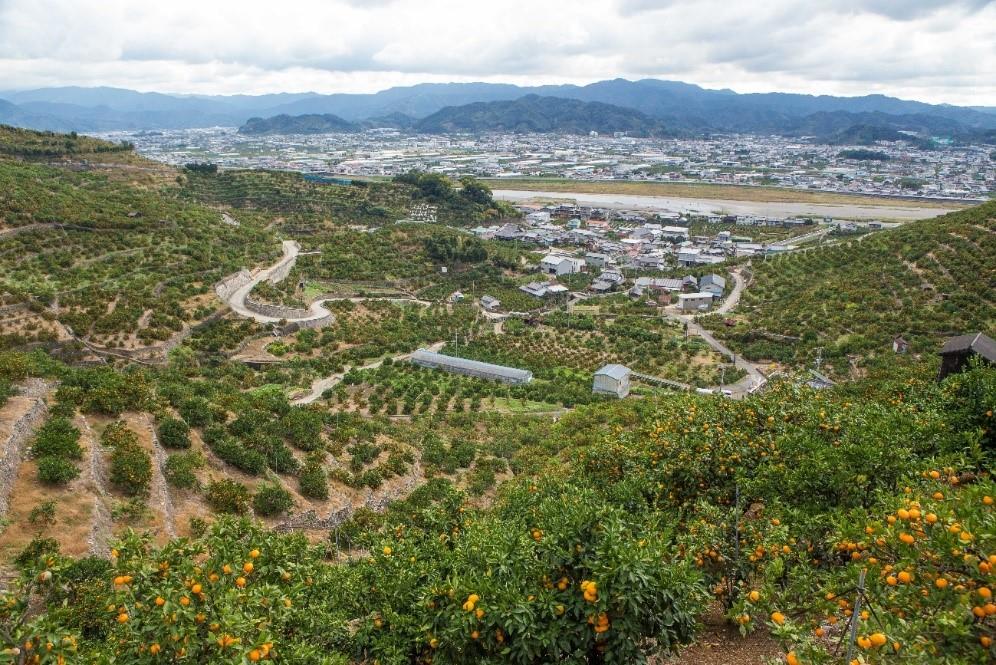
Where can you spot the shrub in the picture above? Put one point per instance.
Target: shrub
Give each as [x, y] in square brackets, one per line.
[57, 437]
[228, 496]
[35, 550]
[43, 514]
[196, 411]
[180, 468]
[56, 470]
[271, 499]
[303, 428]
[313, 483]
[234, 452]
[174, 433]
[131, 464]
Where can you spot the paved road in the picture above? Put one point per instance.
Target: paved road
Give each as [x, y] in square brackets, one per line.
[739, 284]
[237, 301]
[754, 376]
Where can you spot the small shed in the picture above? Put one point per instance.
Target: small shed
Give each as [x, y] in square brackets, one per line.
[612, 380]
[490, 303]
[957, 351]
[900, 345]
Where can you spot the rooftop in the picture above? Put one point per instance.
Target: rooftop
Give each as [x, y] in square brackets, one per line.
[472, 367]
[617, 372]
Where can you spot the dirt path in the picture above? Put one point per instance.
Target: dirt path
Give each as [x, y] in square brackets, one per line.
[319, 386]
[721, 644]
[101, 524]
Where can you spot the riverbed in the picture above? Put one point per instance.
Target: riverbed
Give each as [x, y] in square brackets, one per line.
[852, 211]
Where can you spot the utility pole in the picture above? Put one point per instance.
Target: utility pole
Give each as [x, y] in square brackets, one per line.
[819, 358]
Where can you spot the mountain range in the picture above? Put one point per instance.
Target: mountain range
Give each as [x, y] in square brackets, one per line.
[664, 106]
[529, 114]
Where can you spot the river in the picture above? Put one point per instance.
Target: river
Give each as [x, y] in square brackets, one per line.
[774, 209]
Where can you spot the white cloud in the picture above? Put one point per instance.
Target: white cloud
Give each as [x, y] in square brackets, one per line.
[934, 50]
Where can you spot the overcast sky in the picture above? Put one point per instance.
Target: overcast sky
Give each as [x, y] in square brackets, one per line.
[931, 50]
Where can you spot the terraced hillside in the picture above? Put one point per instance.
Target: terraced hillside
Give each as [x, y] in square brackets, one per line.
[307, 203]
[924, 281]
[122, 265]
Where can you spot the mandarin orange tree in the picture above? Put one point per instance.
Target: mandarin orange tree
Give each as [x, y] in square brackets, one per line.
[554, 572]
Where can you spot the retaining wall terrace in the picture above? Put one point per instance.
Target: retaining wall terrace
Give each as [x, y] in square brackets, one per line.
[229, 285]
[12, 450]
[276, 311]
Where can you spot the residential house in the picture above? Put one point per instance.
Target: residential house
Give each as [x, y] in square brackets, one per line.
[597, 260]
[508, 232]
[674, 233]
[490, 303]
[557, 264]
[692, 302]
[713, 284]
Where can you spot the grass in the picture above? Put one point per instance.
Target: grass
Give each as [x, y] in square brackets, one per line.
[711, 191]
[520, 407]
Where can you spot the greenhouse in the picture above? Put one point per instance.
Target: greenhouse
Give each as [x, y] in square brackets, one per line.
[481, 370]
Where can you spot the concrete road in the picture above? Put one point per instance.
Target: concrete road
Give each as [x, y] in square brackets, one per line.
[237, 301]
[739, 284]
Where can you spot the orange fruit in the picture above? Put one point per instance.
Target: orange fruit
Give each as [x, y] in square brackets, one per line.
[778, 617]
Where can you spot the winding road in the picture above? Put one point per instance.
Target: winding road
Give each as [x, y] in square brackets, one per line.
[237, 300]
[754, 378]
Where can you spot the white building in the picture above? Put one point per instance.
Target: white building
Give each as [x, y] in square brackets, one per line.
[555, 264]
[611, 380]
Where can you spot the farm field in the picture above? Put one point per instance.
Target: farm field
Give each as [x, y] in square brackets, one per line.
[584, 343]
[267, 492]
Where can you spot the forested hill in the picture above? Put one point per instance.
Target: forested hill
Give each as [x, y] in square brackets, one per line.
[27, 143]
[925, 281]
[533, 113]
[298, 124]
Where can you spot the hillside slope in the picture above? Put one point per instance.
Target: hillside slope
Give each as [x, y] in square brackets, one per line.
[924, 281]
[298, 124]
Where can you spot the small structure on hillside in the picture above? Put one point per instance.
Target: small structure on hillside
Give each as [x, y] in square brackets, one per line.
[900, 345]
[490, 303]
[957, 351]
[819, 381]
[612, 380]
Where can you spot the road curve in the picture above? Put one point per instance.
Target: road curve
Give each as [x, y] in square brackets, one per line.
[237, 301]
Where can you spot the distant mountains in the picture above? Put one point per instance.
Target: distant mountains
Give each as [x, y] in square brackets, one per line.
[663, 106]
[529, 114]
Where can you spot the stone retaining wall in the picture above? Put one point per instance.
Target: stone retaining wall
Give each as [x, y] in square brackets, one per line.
[13, 309]
[276, 311]
[322, 322]
[229, 285]
[310, 520]
[12, 450]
